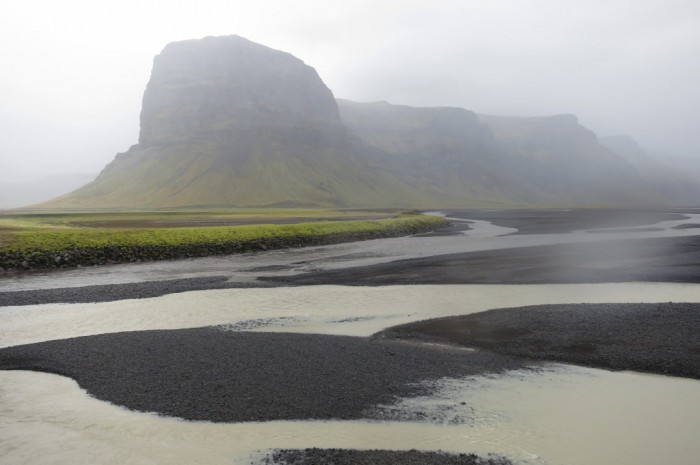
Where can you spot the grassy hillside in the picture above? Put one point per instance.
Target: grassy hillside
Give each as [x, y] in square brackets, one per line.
[265, 173]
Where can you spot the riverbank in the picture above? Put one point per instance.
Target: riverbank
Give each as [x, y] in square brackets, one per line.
[45, 248]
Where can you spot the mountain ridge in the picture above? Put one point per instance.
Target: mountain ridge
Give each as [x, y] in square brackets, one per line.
[228, 122]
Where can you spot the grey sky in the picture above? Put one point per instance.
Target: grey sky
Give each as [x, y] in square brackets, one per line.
[73, 72]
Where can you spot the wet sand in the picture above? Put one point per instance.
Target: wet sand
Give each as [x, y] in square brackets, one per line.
[565, 221]
[675, 259]
[114, 292]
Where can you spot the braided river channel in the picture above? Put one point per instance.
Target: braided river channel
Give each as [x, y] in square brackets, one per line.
[555, 415]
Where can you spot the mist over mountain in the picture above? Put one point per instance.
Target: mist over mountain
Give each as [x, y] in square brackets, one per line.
[228, 122]
[678, 186]
[448, 149]
[21, 194]
[564, 159]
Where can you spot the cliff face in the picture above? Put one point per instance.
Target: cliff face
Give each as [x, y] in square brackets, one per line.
[447, 148]
[566, 160]
[227, 122]
[203, 89]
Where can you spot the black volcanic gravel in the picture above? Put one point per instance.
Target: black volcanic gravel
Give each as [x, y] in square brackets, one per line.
[659, 338]
[675, 259]
[224, 376]
[112, 292]
[374, 457]
[545, 221]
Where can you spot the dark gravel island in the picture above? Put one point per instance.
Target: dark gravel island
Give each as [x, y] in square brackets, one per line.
[659, 338]
[227, 376]
[375, 457]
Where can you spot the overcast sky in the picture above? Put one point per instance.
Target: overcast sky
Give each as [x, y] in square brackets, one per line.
[73, 72]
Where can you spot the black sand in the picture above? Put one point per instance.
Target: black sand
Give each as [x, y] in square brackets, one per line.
[375, 457]
[674, 259]
[112, 292]
[564, 221]
[224, 376]
[655, 260]
[658, 338]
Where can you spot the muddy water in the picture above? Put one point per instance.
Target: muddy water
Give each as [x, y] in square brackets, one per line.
[567, 415]
[563, 415]
[354, 311]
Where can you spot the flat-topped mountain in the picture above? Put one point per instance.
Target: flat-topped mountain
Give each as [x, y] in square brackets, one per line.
[446, 148]
[219, 87]
[228, 122]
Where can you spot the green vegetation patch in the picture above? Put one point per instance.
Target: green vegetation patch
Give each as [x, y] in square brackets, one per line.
[57, 240]
[44, 247]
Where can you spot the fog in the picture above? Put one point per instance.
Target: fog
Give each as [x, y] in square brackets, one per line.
[74, 71]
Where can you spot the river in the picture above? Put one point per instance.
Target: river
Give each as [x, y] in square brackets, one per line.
[560, 415]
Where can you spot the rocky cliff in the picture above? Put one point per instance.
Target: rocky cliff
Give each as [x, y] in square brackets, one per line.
[566, 160]
[219, 87]
[445, 148]
[227, 122]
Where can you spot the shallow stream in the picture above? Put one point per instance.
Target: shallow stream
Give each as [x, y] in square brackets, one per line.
[560, 415]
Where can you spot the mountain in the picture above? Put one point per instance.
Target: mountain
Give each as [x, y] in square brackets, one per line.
[228, 122]
[666, 181]
[21, 194]
[566, 160]
[446, 149]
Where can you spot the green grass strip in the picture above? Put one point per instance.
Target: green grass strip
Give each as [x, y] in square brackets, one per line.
[46, 240]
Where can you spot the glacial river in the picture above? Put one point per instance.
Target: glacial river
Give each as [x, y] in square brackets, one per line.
[481, 236]
[557, 416]
[562, 415]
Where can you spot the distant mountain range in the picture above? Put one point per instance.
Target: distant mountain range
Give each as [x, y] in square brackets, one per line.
[228, 122]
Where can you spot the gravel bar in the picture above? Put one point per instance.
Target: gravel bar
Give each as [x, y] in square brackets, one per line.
[227, 376]
[374, 457]
[112, 292]
[661, 338]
